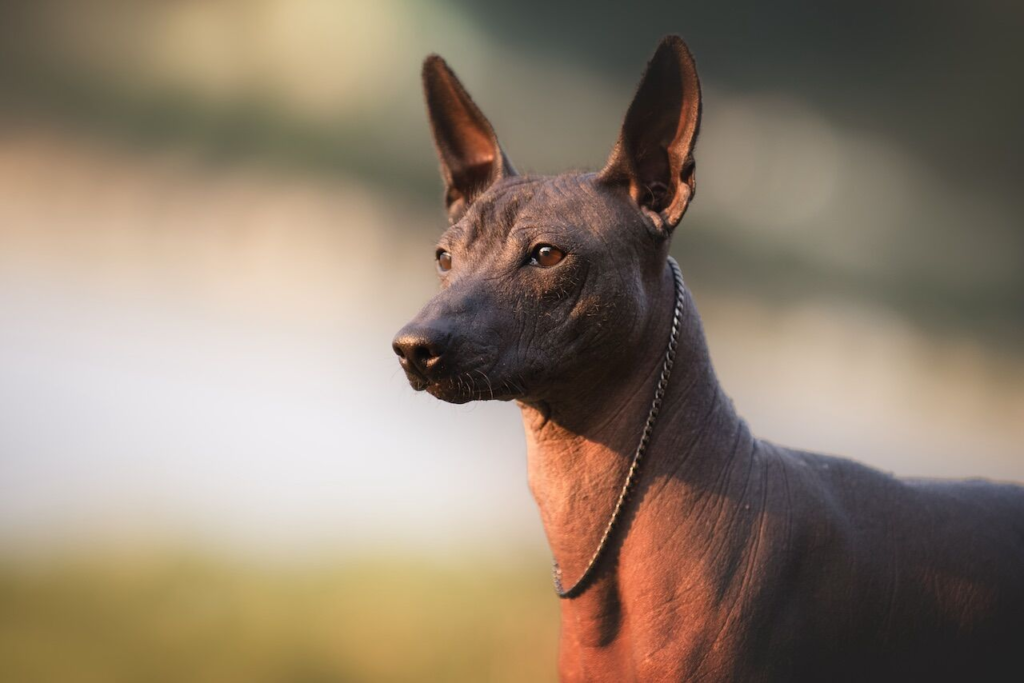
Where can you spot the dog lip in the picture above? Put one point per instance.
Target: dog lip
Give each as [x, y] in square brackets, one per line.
[450, 390]
[442, 384]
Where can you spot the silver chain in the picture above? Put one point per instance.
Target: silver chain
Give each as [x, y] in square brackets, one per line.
[645, 438]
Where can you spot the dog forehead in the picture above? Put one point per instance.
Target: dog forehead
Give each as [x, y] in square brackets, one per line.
[562, 198]
[491, 217]
[578, 204]
[571, 201]
[527, 197]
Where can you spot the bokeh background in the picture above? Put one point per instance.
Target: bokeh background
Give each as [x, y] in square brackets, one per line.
[214, 214]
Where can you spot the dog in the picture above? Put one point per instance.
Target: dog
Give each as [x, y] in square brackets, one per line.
[689, 549]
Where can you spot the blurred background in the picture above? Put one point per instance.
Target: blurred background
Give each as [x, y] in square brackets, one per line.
[214, 214]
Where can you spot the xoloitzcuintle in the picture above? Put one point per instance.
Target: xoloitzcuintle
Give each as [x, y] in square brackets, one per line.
[715, 556]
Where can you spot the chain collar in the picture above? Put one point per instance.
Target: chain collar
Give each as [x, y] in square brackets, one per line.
[645, 438]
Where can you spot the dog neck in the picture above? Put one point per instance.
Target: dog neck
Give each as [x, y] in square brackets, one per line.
[579, 452]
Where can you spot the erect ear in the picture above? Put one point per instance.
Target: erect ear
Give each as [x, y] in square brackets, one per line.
[653, 157]
[471, 158]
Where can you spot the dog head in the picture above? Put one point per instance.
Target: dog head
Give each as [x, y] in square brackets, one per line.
[547, 283]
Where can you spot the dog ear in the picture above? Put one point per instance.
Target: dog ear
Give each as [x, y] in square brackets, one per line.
[471, 158]
[653, 157]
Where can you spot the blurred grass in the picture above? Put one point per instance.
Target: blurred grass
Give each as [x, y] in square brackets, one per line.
[195, 617]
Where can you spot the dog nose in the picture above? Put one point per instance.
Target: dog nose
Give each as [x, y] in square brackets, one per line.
[420, 350]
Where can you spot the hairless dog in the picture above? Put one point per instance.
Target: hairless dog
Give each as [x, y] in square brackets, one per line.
[686, 548]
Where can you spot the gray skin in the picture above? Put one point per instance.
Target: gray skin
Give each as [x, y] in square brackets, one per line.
[737, 560]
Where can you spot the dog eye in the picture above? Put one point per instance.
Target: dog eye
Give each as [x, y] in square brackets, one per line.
[545, 256]
[444, 261]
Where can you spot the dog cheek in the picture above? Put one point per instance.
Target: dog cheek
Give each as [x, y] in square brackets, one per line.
[551, 329]
[560, 341]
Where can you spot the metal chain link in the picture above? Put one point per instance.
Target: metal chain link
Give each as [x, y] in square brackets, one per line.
[645, 438]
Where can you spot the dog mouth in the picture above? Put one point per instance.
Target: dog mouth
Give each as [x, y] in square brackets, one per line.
[463, 387]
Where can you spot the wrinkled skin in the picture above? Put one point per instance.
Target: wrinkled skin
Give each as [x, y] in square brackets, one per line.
[737, 560]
